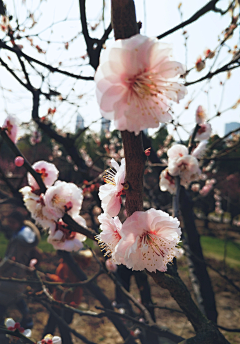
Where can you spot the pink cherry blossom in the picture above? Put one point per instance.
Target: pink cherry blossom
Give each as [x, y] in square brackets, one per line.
[135, 82]
[149, 240]
[63, 239]
[11, 126]
[204, 132]
[63, 197]
[49, 173]
[35, 204]
[110, 193]
[110, 235]
[200, 115]
[167, 182]
[206, 189]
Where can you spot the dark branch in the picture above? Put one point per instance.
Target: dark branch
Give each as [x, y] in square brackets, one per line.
[49, 67]
[210, 6]
[234, 63]
[94, 45]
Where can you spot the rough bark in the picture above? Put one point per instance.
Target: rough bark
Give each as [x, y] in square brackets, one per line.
[199, 275]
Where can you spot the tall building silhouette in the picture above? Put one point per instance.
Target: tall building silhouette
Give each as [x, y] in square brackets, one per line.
[231, 126]
[105, 125]
[79, 123]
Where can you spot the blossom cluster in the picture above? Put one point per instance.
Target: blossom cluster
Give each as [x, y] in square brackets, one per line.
[146, 240]
[181, 164]
[11, 325]
[48, 208]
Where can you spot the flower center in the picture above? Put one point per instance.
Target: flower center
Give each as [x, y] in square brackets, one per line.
[43, 172]
[183, 167]
[151, 240]
[67, 234]
[9, 127]
[202, 129]
[17, 326]
[170, 178]
[143, 84]
[109, 176]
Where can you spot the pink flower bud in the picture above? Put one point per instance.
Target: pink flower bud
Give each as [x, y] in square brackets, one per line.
[112, 267]
[147, 151]
[19, 161]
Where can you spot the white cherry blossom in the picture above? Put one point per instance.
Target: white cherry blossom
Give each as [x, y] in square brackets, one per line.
[110, 193]
[35, 204]
[63, 239]
[204, 132]
[200, 150]
[11, 325]
[177, 151]
[110, 235]
[63, 197]
[167, 182]
[49, 174]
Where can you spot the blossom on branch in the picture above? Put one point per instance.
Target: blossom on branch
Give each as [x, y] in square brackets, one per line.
[135, 82]
[63, 197]
[110, 193]
[11, 325]
[49, 173]
[200, 150]
[10, 124]
[35, 204]
[167, 182]
[200, 115]
[181, 164]
[203, 132]
[177, 151]
[50, 339]
[149, 240]
[110, 235]
[63, 239]
[186, 167]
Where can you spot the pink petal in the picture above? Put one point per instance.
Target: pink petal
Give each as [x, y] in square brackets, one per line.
[110, 97]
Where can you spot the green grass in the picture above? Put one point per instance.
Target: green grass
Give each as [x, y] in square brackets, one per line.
[43, 245]
[214, 248]
[3, 245]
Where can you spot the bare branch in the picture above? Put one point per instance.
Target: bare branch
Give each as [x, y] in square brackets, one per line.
[210, 6]
[234, 63]
[49, 67]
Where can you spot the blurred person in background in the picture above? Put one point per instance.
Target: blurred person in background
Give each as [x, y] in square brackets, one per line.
[23, 237]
